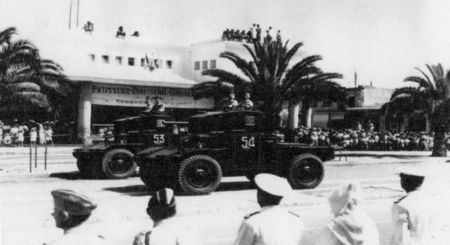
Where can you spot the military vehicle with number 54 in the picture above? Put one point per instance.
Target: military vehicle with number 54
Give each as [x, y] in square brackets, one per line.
[230, 143]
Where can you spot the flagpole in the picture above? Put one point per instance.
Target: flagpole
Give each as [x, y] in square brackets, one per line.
[70, 14]
[78, 11]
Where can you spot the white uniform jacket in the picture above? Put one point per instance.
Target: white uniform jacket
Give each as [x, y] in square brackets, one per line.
[80, 235]
[272, 225]
[168, 232]
[415, 220]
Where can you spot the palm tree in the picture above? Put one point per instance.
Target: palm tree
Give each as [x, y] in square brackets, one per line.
[268, 77]
[432, 92]
[25, 78]
[319, 87]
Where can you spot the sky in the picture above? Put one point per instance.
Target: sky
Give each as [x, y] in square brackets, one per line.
[381, 40]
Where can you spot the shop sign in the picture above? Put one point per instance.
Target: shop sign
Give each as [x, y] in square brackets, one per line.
[135, 96]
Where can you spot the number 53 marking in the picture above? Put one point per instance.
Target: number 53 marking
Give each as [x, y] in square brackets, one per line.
[158, 139]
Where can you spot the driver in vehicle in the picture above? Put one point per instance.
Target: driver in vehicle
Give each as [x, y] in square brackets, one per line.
[247, 104]
[158, 107]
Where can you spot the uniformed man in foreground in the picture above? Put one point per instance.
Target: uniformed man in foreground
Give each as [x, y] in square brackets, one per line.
[414, 215]
[166, 229]
[158, 107]
[71, 210]
[272, 224]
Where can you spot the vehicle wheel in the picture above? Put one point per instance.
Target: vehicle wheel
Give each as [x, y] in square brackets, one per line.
[151, 177]
[199, 174]
[117, 164]
[306, 171]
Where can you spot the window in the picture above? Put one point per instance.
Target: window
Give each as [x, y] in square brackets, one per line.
[105, 59]
[197, 65]
[212, 64]
[157, 63]
[204, 64]
[92, 57]
[169, 64]
[131, 61]
[142, 62]
[119, 60]
[351, 102]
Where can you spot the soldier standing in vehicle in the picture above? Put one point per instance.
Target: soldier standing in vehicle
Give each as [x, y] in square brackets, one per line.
[71, 210]
[166, 229]
[158, 107]
[148, 104]
[272, 224]
[231, 103]
[414, 217]
[247, 104]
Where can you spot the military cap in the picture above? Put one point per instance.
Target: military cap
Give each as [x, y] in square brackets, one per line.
[272, 184]
[163, 197]
[72, 202]
[157, 96]
[412, 172]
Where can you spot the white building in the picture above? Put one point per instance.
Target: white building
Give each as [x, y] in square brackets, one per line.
[116, 75]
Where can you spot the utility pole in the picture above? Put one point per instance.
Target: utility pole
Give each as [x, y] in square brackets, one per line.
[78, 11]
[356, 82]
[70, 14]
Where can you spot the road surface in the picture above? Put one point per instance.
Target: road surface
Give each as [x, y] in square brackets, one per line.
[27, 203]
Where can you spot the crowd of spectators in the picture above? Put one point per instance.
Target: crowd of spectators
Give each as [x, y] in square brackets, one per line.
[253, 34]
[366, 139]
[20, 133]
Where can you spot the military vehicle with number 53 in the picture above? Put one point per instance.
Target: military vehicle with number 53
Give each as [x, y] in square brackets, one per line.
[113, 157]
[230, 143]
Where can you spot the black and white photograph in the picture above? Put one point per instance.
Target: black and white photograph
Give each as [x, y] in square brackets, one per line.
[225, 122]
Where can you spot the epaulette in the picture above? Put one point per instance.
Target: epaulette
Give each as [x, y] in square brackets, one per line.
[250, 215]
[400, 199]
[296, 215]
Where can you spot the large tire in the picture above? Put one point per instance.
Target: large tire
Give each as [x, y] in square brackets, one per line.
[118, 164]
[199, 175]
[306, 171]
[151, 177]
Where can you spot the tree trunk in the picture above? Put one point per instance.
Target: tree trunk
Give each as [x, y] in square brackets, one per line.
[439, 148]
[427, 123]
[293, 115]
[405, 123]
[382, 127]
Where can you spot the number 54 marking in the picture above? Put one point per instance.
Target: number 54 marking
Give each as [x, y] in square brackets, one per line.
[247, 142]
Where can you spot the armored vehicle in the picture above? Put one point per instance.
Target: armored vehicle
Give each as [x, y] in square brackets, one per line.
[113, 157]
[230, 143]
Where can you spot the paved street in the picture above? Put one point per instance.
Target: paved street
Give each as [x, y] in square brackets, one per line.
[27, 204]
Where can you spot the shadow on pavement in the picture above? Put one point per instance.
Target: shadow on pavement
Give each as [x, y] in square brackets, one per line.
[142, 190]
[67, 175]
[236, 186]
[131, 190]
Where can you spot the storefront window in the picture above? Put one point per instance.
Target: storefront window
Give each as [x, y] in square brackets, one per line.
[212, 64]
[119, 60]
[105, 59]
[131, 61]
[169, 64]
